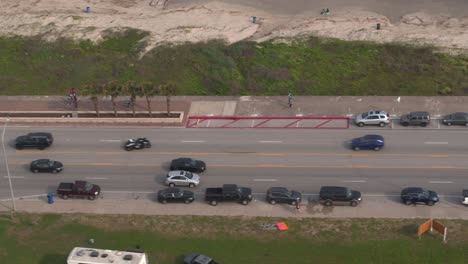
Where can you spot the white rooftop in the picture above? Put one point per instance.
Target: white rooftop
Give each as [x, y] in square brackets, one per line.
[81, 255]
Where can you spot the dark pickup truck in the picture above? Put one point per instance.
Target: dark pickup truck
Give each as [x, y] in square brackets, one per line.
[80, 189]
[228, 193]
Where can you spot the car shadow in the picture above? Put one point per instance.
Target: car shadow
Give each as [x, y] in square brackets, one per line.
[453, 199]
[152, 196]
[160, 178]
[347, 144]
[393, 197]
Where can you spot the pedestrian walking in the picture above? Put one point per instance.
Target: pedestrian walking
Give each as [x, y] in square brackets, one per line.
[73, 97]
[290, 100]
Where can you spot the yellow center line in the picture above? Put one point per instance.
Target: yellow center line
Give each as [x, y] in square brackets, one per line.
[284, 166]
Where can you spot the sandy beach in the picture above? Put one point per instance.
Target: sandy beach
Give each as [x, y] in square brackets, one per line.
[439, 23]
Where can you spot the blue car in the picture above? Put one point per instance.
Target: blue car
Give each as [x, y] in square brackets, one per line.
[374, 142]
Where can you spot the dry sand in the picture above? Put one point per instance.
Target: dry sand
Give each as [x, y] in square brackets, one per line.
[440, 23]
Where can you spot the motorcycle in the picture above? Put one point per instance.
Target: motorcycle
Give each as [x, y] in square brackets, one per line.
[137, 143]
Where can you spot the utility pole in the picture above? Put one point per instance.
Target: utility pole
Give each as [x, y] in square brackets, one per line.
[6, 165]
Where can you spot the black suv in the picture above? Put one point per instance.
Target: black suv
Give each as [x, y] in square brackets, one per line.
[413, 195]
[188, 164]
[283, 195]
[416, 119]
[40, 140]
[330, 195]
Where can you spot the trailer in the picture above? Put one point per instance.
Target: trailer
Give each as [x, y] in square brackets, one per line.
[81, 255]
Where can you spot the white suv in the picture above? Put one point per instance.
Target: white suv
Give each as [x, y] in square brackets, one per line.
[376, 117]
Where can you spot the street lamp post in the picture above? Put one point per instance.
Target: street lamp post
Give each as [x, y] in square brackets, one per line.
[6, 164]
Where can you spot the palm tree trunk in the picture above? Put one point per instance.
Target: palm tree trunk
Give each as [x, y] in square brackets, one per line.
[133, 105]
[148, 102]
[96, 106]
[114, 105]
[168, 104]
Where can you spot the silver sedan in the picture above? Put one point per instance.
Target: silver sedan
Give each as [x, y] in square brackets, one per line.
[182, 178]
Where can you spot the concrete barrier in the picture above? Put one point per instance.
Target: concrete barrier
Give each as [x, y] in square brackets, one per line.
[86, 120]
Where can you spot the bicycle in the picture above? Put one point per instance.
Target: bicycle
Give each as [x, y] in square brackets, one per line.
[69, 99]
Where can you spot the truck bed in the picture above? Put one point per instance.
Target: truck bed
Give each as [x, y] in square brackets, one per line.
[65, 186]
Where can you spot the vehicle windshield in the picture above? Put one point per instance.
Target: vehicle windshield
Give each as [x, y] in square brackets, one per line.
[425, 193]
[189, 175]
[51, 163]
[88, 186]
[364, 115]
[349, 193]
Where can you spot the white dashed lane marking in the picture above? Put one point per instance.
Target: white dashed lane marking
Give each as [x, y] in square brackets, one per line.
[355, 181]
[265, 180]
[440, 182]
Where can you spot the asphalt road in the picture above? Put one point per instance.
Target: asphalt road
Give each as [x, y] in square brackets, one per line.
[300, 159]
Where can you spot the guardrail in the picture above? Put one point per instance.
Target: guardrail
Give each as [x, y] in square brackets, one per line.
[298, 122]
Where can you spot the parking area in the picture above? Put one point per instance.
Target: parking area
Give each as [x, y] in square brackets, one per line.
[435, 123]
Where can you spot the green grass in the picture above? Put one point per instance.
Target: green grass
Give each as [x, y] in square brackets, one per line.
[47, 239]
[306, 66]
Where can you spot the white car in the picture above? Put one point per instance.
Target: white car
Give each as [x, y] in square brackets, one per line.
[182, 178]
[465, 197]
[376, 117]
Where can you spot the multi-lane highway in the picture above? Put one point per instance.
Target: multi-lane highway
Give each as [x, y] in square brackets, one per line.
[298, 159]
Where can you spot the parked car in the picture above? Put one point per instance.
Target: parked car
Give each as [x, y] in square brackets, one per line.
[78, 189]
[465, 197]
[414, 195]
[377, 117]
[182, 178]
[459, 118]
[331, 195]
[39, 140]
[188, 164]
[228, 193]
[46, 165]
[374, 142]
[175, 195]
[416, 119]
[283, 195]
[137, 143]
[198, 259]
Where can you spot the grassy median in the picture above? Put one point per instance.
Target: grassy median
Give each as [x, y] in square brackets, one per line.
[47, 239]
[307, 66]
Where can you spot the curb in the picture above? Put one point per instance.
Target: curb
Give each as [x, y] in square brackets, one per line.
[88, 120]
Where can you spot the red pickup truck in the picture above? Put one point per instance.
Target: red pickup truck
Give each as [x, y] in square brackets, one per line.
[79, 189]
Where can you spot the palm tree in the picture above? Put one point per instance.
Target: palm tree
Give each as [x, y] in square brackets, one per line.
[148, 89]
[94, 90]
[133, 89]
[114, 89]
[168, 89]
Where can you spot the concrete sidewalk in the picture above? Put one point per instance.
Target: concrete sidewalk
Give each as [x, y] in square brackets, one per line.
[254, 105]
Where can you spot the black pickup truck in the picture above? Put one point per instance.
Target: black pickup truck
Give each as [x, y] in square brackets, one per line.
[228, 193]
[80, 189]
